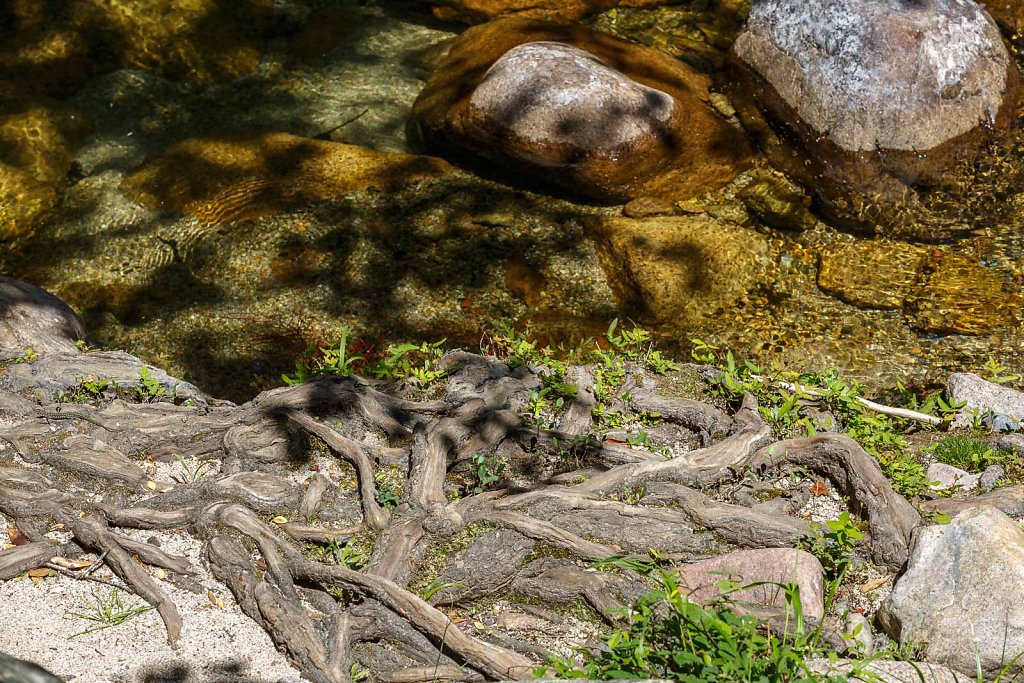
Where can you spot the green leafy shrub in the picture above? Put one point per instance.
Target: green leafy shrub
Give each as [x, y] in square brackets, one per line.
[669, 637]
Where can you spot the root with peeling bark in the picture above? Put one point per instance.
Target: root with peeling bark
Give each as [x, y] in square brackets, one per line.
[567, 493]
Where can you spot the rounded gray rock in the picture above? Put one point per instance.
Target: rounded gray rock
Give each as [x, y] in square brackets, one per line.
[31, 317]
[881, 74]
[550, 94]
[962, 595]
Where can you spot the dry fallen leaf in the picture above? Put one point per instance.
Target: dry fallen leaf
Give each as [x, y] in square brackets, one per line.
[159, 573]
[41, 573]
[17, 538]
[69, 563]
[151, 485]
[217, 602]
[872, 585]
[279, 520]
[261, 564]
[819, 488]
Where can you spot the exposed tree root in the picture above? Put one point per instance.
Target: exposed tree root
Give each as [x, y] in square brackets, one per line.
[314, 453]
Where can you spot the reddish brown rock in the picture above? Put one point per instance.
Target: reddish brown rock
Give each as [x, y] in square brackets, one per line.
[602, 117]
[477, 11]
[768, 566]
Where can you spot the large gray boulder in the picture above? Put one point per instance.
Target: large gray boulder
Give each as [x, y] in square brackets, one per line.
[1004, 405]
[871, 99]
[32, 318]
[962, 596]
[880, 74]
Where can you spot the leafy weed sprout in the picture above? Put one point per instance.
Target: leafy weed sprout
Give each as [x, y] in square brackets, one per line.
[667, 636]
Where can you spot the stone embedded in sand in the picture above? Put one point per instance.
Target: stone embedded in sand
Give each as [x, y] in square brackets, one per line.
[879, 94]
[599, 116]
[554, 104]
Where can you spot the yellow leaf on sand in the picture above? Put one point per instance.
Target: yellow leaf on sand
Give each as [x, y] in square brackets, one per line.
[160, 573]
[151, 485]
[40, 573]
[872, 585]
[279, 520]
[70, 564]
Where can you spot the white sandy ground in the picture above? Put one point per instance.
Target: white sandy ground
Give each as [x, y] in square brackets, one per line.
[216, 646]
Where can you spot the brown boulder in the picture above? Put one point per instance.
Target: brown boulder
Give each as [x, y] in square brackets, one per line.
[877, 98]
[477, 11]
[600, 116]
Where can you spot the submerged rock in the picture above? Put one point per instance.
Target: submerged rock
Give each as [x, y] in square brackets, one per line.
[961, 597]
[38, 137]
[476, 11]
[878, 96]
[242, 177]
[599, 116]
[679, 269]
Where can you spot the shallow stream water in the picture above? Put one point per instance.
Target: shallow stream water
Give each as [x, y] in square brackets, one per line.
[227, 294]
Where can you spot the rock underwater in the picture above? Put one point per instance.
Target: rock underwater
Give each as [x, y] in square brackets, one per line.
[601, 117]
[865, 101]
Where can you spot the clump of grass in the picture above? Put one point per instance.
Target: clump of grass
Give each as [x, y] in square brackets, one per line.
[107, 611]
[967, 453]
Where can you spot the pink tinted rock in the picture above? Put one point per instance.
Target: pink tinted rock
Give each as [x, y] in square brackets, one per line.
[770, 565]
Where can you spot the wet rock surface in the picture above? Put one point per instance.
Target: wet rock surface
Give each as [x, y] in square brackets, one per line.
[957, 598]
[612, 121]
[679, 268]
[830, 79]
[475, 11]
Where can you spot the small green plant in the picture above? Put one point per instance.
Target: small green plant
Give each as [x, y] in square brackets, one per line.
[487, 470]
[994, 372]
[438, 586]
[190, 474]
[968, 454]
[667, 636]
[387, 496]
[107, 611]
[833, 544]
[27, 357]
[355, 554]
[335, 359]
[149, 388]
[539, 403]
[358, 673]
[89, 388]
[417, 361]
